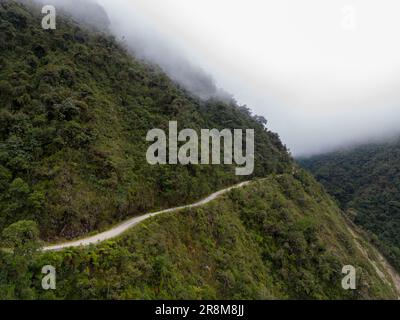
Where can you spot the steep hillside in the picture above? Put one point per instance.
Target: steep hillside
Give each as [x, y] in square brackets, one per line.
[278, 238]
[366, 182]
[75, 109]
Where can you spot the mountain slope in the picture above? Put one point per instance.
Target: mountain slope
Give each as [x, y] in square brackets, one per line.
[74, 112]
[75, 109]
[366, 182]
[121, 228]
[277, 238]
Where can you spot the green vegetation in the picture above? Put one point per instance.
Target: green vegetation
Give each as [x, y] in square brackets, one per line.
[22, 241]
[366, 182]
[280, 237]
[75, 109]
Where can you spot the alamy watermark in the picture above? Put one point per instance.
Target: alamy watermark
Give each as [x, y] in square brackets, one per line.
[49, 280]
[349, 281]
[189, 153]
[49, 20]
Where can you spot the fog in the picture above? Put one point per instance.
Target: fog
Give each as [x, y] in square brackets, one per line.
[87, 11]
[324, 73]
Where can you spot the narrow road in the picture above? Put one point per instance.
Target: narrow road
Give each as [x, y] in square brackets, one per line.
[118, 230]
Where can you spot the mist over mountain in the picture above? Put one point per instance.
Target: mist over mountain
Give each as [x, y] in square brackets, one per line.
[75, 109]
[143, 42]
[83, 11]
[74, 93]
[320, 85]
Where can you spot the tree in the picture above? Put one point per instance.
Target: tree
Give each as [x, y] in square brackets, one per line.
[5, 177]
[22, 237]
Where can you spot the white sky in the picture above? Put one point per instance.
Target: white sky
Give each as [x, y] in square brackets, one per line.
[320, 83]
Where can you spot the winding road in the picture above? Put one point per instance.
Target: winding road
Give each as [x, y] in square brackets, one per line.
[121, 228]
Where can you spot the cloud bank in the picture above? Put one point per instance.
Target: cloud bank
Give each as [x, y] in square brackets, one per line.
[324, 73]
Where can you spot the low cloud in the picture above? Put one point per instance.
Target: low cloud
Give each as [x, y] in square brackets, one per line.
[320, 84]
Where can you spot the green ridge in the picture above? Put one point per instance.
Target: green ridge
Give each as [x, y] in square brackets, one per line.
[74, 112]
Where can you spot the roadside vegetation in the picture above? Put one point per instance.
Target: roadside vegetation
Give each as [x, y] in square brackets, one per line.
[75, 109]
[279, 238]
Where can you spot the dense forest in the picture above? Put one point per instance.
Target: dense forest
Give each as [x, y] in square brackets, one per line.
[278, 238]
[75, 109]
[365, 180]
